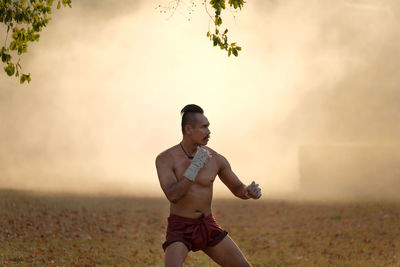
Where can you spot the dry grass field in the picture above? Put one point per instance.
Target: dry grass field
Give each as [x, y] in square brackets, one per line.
[70, 230]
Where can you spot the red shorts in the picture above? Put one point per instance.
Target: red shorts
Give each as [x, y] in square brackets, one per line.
[196, 234]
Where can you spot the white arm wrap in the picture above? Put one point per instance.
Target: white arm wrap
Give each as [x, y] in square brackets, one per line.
[199, 160]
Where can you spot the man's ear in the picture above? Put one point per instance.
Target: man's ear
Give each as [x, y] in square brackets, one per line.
[188, 129]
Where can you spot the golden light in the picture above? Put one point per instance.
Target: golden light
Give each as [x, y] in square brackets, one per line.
[109, 82]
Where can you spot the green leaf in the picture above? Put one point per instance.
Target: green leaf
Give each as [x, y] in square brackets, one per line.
[5, 57]
[215, 41]
[59, 5]
[24, 78]
[10, 69]
[13, 45]
[235, 52]
[218, 21]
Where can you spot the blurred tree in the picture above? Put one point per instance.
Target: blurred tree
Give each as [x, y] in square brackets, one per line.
[217, 36]
[24, 19]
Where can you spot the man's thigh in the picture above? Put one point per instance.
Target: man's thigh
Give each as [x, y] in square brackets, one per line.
[175, 254]
[227, 253]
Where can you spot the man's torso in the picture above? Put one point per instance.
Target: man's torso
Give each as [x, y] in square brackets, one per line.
[197, 201]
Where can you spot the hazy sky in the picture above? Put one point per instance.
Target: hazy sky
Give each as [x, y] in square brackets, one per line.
[108, 82]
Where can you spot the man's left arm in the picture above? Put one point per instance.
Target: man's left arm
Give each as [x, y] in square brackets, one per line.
[229, 178]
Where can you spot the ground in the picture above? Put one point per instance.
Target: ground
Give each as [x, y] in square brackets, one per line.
[71, 230]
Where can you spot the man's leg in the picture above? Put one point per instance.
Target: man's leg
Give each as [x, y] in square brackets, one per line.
[227, 254]
[175, 254]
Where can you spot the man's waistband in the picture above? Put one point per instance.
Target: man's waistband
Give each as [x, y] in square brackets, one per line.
[174, 217]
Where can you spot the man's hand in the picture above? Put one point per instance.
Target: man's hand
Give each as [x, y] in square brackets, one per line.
[253, 191]
[199, 160]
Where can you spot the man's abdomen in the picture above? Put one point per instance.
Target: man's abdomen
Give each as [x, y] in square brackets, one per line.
[195, 203]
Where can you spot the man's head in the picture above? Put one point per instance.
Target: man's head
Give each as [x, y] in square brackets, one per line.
[195, 124]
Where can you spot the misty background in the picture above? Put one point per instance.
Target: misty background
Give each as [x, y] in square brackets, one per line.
[309, 108]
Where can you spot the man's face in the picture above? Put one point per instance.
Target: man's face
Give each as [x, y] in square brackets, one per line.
[200, 133]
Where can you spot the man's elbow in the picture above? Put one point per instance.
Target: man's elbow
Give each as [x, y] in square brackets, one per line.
[173, 198]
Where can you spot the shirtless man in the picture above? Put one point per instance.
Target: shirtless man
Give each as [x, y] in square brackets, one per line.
[186, 172]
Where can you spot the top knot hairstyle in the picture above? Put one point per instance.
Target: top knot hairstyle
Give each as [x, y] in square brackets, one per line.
[188, 115]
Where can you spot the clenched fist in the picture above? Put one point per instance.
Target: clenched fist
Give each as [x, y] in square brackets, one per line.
[253, 191]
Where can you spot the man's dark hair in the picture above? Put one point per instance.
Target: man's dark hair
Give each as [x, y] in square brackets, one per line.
[188, 115]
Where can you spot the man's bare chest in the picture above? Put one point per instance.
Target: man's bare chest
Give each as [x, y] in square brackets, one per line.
[206, 175]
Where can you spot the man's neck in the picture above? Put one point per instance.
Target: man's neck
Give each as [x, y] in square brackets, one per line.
[189, 146]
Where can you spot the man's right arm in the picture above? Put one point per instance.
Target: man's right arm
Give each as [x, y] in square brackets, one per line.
[173, 189]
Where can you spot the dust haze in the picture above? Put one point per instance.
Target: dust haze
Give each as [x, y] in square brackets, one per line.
[309, 109]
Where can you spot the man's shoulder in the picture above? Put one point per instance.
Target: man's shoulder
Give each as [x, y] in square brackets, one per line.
[166, 154]
[215, 154]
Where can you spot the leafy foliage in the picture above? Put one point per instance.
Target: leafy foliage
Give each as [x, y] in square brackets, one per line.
[24, 20]
[220, 38]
